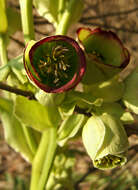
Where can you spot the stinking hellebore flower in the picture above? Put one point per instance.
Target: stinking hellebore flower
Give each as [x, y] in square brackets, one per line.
[104, 48]
[105, 141]
[55, 63]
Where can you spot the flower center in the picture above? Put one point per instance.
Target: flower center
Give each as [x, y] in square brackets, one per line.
[55, 65]
[109, 160]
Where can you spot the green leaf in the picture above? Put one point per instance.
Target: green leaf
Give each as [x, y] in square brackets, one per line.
[69, 127]
[13, 129]
[130, 97]
[116, 110]
[34, 114]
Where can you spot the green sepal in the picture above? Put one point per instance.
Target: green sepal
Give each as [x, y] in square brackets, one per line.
[116, 110]
[93, 74]
[54, 12]
[48, 9]
[69, 127]
[130, 97]
[105, 141]
[13, 129]
[110, 90]
[106, 46]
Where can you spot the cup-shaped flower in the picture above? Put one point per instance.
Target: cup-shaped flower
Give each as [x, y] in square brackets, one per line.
[105, 141]
[55, 64]
[105, 49]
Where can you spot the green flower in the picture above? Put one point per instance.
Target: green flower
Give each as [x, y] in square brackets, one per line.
[105, 141]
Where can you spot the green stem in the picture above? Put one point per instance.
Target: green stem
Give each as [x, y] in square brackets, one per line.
[30, 139]
[26, 7]
[43, 159]
[3, 56]
[64, 23]
[3, 50]
[61, 9]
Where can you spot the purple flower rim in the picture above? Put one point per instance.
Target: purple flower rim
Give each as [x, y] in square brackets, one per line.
[110, 35]
[77, 75]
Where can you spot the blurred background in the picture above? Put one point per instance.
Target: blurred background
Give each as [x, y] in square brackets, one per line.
[120, 16]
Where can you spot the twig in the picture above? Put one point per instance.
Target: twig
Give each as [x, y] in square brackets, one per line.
[17, 91]
[109, 15]
[76, 186]
[41, 22]
[17, 41]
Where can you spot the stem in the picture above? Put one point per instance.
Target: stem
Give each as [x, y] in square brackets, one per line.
[61, 9]
[26, 7]
[30, 139]
[43, 159]
[3, 55]
[3, 50]
[64, 24]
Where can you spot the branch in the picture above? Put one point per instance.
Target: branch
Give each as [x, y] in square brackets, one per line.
[109, 15]
[17, 91]
[90, 170]
[17, 41]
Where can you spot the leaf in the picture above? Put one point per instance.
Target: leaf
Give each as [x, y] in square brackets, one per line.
[69, 127]
[130, 97]
[13, 129]
[34, 114]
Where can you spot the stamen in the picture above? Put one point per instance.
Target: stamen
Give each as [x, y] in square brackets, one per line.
[55, 64]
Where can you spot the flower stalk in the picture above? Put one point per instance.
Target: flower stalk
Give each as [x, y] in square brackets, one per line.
[43, 159]
[26, 7]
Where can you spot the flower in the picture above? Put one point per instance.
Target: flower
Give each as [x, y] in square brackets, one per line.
[104, 49]
[55, 64]
[105, 141]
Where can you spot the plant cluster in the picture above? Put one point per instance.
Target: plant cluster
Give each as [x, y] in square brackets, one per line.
[60, 88]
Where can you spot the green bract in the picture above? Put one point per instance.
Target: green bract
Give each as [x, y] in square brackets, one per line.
[55, 10]
[105, 141]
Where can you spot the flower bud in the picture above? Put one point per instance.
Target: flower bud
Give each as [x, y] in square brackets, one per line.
[105, 141]
[55, 64]
[104, 49]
